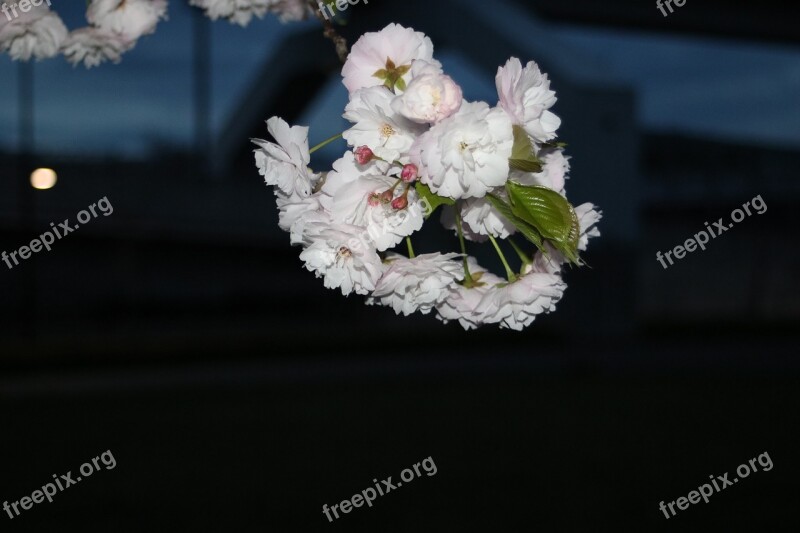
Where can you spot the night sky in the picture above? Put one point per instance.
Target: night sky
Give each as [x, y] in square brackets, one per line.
[720, 89]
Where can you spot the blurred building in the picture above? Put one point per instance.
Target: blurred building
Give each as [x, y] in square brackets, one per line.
[192, 257]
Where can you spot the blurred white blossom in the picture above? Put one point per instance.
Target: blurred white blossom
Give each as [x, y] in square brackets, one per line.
[241, 12]
[130, 19]
[93, 46]
[37, 33]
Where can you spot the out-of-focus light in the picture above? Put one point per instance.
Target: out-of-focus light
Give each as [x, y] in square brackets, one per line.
[43, 178]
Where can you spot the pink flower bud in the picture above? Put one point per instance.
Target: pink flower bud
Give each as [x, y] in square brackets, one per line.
[386, 196]
[400, 203]
[409, 173]
[363, 155]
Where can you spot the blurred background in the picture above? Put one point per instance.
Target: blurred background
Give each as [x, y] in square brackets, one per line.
[236, 393]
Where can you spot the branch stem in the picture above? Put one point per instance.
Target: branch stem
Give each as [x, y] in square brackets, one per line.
[509, 273]
[411, 254]
[330, 32]
[325, 143]
[526, 260]
[467, 276]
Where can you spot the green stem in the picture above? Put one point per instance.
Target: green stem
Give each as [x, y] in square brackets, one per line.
[410, 248]
[522, 255]
[325, 143]
[509, 273]
[467, 276]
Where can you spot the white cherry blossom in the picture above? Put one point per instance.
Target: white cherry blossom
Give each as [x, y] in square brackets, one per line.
[339, 254]
[392, 50]
[526, 96]
[430, 97]
[466, 155]
[516, 305]
[285, 164]
[377, 126]
[418, 284]
[463, 301]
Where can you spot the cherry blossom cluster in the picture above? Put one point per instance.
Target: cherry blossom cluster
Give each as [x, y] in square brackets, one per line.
[116, 25]
[416, 145]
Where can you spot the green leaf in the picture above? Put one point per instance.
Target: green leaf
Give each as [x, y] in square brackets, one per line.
[522, 154]
[525, 166]
[433, 200]
[550, 213]
[523, 227]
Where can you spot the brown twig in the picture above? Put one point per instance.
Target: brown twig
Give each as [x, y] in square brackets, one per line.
[330, 32]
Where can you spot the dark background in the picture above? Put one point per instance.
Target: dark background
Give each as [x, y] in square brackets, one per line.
[236, 393]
